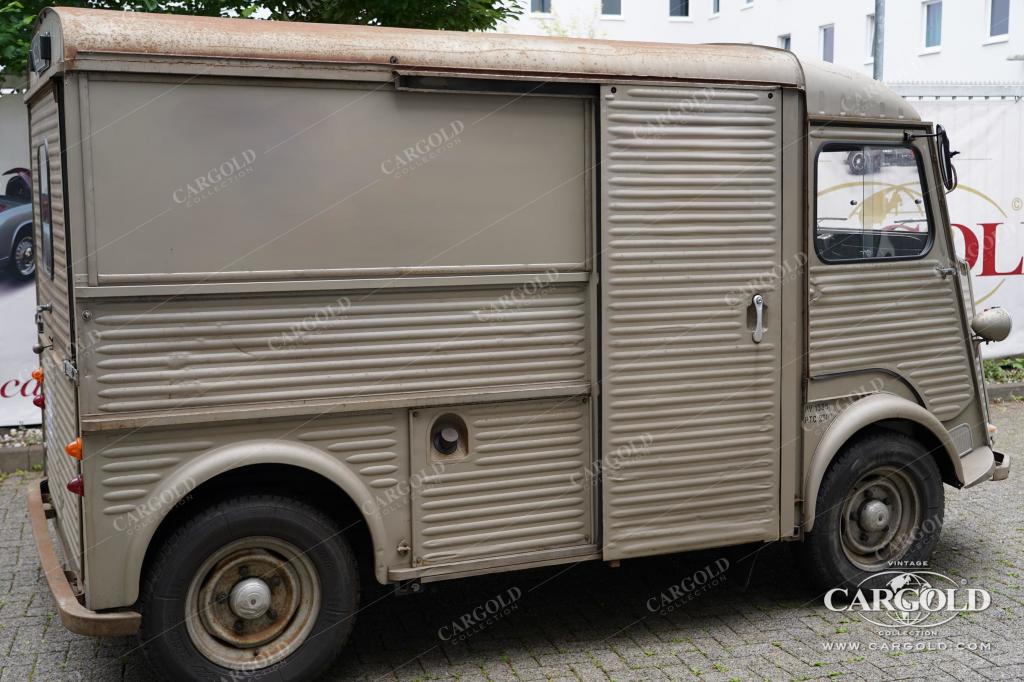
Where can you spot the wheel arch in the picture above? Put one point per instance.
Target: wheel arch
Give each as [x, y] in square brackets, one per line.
[879, 411]
[15, 234]
[274, 467]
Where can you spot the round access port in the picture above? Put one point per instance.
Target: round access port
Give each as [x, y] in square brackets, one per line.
[449, 438]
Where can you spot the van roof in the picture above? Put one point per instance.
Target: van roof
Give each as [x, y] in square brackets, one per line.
[99, 39]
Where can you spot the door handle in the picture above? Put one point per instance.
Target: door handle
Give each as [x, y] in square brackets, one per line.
[758, 303]
[945, 272]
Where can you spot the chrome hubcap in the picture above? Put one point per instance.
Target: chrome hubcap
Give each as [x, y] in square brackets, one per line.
[24, 256]
[250, 598]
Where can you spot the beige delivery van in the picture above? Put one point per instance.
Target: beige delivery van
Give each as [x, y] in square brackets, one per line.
[318, 302]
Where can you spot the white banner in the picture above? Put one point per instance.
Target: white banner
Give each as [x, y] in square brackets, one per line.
[17, 336]
[987, 209]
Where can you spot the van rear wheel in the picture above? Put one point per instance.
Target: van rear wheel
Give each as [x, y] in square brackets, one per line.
[880, 503]
[259, 585]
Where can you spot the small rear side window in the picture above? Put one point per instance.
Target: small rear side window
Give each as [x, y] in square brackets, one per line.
[871, 204]
[45, 208]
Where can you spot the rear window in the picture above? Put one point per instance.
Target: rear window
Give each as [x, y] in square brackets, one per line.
[45, 209]
[871, 204]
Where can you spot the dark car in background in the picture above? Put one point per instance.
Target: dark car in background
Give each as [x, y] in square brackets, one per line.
[16, 250]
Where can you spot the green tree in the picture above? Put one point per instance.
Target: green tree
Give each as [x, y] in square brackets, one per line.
[17, 16]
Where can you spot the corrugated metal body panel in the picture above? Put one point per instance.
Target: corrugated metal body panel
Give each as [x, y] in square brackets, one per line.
[130, 467]
[691, 225]
[900, 316]
[524, 485]
[186, 355]
[60, 416]
[134, 477]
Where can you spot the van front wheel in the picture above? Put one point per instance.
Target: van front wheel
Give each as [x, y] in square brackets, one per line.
[259, 585]
[879, 505]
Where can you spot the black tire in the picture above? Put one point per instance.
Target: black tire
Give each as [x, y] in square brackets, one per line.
[882, 465]
[23, 263]
[263, 520]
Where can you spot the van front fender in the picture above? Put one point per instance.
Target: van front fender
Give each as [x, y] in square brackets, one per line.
[879, 407]
[244, 454]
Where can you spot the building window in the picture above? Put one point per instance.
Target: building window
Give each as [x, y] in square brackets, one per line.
[786, 42]
[869, 37]
[540, 6]
[716, 6]
[871, 204]
[828, 43]
[933, 24]
[611, 7]
[679, 8]
[998, 18]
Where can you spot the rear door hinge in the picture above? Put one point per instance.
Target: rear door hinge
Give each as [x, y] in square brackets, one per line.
[70, 371]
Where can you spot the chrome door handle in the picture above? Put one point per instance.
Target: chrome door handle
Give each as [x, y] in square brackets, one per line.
[758, 318]
[945, 272]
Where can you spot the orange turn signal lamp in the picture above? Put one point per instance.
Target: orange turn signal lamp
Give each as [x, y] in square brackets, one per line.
[37, 374]
[74, 448]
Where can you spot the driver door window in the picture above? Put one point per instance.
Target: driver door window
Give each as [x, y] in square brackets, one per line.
[871, 204]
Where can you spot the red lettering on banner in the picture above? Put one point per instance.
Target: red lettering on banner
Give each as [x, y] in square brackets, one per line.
[988, 258]
[30, 393]
[5, 393]
[971, 246]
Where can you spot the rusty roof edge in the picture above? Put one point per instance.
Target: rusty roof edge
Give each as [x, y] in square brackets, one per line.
[114, 33]
[830, 90]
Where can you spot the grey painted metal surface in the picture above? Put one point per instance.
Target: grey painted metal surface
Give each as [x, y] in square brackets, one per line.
[60, 424]
[691, 227]
[344, 349]
[423, 188]
[900, 316]
[525, 483]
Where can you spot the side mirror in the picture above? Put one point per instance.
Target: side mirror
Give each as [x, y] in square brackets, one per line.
[949, 179]
[993, 324]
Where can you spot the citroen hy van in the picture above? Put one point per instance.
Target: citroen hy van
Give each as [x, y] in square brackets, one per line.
[322, 302]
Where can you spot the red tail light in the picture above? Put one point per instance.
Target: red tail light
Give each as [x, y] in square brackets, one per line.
[77, 485]
[39, 401]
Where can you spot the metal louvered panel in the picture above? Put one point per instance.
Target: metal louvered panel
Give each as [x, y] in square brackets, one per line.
[187, 355]
[898, 316]
[523, 486]
[61, 415]
[690, 232]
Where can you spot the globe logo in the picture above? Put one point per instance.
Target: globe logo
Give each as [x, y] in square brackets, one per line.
[912, 586]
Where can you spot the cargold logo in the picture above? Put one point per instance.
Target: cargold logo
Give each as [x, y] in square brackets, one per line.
[909, 599]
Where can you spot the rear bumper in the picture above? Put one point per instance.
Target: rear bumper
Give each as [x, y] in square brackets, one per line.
[73, 615]
[1002, 470]
[983, 464]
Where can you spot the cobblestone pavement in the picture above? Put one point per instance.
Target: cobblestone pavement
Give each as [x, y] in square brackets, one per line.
[592, 622]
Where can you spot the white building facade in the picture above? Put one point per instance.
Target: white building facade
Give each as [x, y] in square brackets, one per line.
[953, 42]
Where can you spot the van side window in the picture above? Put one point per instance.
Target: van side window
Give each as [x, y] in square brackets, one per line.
[871, 204]
[45, 208]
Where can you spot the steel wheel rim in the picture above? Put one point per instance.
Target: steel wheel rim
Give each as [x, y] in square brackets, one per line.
[265, 584]
[24, 257]
[879, 517]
